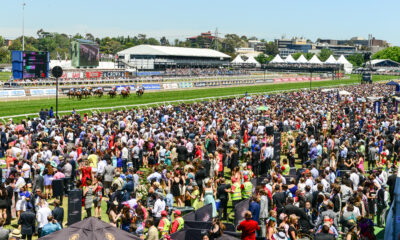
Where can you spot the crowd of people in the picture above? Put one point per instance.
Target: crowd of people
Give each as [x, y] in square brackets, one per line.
[140, 164]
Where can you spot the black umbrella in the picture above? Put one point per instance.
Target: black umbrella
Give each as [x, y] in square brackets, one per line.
[91, 229]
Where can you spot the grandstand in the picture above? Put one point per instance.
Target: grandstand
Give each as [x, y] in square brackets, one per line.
[148, 57]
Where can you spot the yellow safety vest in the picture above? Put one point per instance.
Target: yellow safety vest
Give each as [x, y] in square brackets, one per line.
[248, 190]
[181, 223]
[167, 226]
[237, 194]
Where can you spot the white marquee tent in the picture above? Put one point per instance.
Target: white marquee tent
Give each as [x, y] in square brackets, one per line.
[331, 60]
[302, 59]
[277, 59]
[238, 60]
[348, 67]
[252, 60]
[315, 60]
[290, 59]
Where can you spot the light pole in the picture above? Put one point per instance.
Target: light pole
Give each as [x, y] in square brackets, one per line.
[23, 26]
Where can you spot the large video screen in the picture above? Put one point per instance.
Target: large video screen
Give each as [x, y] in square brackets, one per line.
[88, 55]
[35, 64]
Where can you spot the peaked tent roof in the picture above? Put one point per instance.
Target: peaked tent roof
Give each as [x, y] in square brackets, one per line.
[343, 60]
[331, 60]
[90, 229]
[315, 60]
[290, 59]
[302, 59]
[238, 60]
[277, 59]
[252, 60]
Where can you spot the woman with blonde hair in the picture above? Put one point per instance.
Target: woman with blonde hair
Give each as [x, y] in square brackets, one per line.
[271, 229]
[293, 220]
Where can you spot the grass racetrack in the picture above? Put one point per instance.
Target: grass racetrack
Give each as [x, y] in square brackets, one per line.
[31, 106]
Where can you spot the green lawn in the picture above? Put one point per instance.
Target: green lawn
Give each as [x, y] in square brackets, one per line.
[65, 104]
[4, 76]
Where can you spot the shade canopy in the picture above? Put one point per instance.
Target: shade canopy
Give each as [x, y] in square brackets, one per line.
[91, 229]
[315, 60]
[277, 59]
[290, 59]
[252, 60]
[302, 59]
[331, 60]
[238, 60]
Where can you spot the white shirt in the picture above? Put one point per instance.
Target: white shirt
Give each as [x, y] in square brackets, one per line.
[101, 166]
[27, 170]
[42, 215]
[159, 206]
[355, 179]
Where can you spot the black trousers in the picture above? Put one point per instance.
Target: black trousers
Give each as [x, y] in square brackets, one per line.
[88, 212]
[223, 209]
[28, 237]
[371, 163]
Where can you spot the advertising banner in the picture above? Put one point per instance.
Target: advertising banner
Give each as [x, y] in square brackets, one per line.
[148, 73]
[12, 93]
[73, 75]
[185, 85]
[151, 86]
[170, 85]
[113, 74]
[93, 74]
[200, 84]
[43, 92]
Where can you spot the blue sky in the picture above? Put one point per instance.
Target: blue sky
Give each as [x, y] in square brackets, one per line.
[266, 19]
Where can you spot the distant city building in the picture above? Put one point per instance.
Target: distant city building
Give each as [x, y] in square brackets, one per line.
[204, 39]
[289, 46]
[337, 49]
[257, 45]
[358, 42]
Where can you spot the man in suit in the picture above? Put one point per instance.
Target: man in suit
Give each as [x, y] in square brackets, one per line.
[58, 212]
[10, 194]
[27, 221]
[3, 141]
[289, 209]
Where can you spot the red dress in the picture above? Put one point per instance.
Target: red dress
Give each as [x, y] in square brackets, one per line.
[86, 173]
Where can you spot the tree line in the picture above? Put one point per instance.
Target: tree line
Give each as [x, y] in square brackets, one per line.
[58, 44]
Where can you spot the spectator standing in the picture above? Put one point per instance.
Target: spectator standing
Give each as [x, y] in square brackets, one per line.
[248, 227]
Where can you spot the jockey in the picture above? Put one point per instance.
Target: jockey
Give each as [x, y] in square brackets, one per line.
[99, 88]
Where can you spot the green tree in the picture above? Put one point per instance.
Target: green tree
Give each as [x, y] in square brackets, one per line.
[271, 49]
[1, 41]
[356, 59]
[4, 55]
[15, 45]
[392, 53]
[308, 55]
[261, 58]
[164, 41]
[296, 55]
[324, 54]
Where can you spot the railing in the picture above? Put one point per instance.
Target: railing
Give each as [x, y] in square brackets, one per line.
[97, 109]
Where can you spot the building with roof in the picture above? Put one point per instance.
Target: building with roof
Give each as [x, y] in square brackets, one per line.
[149, 57]
[204, 39]
[383, 63]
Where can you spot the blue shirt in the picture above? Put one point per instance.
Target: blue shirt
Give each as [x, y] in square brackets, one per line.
[255, 211]
[50, 228]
